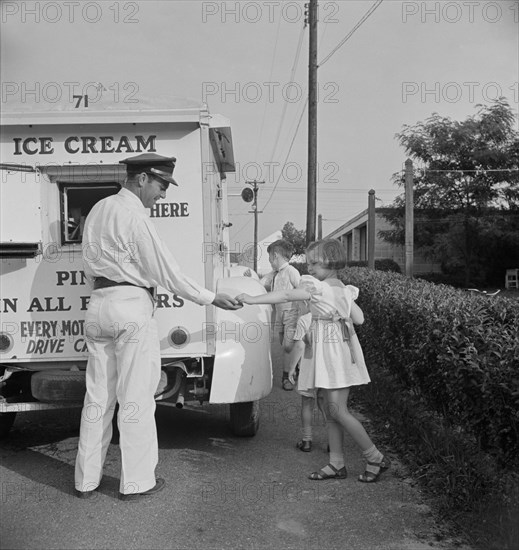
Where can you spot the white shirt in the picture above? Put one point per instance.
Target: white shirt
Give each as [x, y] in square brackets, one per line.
[285, 278]
[122, 244]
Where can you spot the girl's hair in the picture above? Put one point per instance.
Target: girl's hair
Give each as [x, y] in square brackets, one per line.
[330, 253]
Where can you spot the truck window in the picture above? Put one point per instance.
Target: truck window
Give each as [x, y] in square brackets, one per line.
[76, 203]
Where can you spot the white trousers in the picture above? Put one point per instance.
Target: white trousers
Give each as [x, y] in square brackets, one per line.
[123, 367]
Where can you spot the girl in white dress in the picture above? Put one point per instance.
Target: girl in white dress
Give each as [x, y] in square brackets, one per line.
[333, 359]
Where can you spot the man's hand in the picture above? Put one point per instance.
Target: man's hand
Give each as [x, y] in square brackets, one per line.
[225, 301]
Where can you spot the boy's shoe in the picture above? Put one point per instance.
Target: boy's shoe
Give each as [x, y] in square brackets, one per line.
[304, 445]
[287, 385]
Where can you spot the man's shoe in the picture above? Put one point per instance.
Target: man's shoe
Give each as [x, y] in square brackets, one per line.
[159, 485]
[84, 494]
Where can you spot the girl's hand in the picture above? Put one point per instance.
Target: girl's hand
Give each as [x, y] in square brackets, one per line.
[244, 298]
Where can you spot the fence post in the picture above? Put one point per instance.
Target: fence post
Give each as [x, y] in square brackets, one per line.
[371, 229]
[409, 218]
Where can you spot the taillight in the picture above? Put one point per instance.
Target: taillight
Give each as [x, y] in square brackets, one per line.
[178, 337]
[6, 342]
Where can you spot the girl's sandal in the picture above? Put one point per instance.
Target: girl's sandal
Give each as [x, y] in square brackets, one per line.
[374, 469]
[329, 472]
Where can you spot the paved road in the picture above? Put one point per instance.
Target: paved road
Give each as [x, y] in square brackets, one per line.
[222, 492]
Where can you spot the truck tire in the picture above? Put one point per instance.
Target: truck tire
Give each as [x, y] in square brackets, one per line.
[59, 386]
[6, 423]
[244, 418]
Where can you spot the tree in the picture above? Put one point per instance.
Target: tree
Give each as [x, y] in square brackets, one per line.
[296, 237]
[466, 190]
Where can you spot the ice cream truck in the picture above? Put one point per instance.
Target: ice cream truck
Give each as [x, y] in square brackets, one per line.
[55, 165]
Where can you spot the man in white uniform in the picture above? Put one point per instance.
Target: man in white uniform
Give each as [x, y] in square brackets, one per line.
[125, 258]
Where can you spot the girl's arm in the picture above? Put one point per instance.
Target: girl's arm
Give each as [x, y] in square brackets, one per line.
[277, 297]
[293, 358]
[356, 314]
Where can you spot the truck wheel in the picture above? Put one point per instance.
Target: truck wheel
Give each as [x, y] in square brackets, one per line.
[6, 423]
[245, 418]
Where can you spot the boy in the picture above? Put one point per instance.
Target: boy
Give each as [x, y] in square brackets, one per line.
[282, 277]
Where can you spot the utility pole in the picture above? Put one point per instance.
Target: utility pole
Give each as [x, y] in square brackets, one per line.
[409, 218]
[255, 211]
[312, 123]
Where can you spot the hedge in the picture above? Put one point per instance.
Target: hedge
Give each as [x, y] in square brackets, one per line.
[383, 264]
[458, 352]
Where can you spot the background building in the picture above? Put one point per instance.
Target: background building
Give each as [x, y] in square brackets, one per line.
[354, 236]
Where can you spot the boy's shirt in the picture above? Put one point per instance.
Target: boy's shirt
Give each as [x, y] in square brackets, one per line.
[286, 278]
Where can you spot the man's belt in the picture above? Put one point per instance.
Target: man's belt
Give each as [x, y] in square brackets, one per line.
[103, 282]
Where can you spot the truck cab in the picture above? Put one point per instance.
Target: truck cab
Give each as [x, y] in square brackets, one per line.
[55, 165]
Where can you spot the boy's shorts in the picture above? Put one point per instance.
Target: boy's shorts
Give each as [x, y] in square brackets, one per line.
[302, 327]
[301, 332]
[308, 393]
[283, 324]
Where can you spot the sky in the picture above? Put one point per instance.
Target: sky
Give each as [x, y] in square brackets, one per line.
[249, 62]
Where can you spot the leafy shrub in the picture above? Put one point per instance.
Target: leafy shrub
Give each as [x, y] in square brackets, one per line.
[357, 263]
[458, 351]
[456, 280]
[468, 487]
[444, 366]
[387, 264]
[384, 264]
[434, 277]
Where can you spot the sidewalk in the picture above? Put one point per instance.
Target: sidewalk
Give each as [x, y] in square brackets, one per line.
[392, 514]
[222, 491]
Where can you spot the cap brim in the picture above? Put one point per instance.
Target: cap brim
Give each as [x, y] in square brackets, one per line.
[168, 180]
[163, 176]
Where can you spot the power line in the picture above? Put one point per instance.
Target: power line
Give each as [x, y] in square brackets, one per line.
[285, 103]
[270, 80]
[279, 177]
[348, 36]
[335, 189]
[242, 227]
[288, 153]
[292, 73]
[478, 171]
